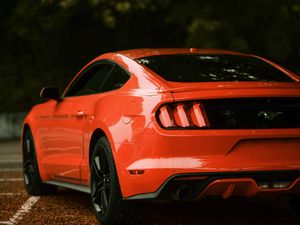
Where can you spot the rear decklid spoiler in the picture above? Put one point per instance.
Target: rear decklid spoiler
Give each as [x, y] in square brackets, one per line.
[185, 87]
[232, 89]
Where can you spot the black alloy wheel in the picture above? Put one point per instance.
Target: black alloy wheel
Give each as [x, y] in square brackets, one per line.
[28, 161]
[101, 184]
[106, 195]
[32, 180]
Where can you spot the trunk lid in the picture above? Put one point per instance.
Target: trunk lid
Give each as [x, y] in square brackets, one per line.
[243, 105]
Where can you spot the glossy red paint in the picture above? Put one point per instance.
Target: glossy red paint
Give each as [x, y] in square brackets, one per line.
[62, 132]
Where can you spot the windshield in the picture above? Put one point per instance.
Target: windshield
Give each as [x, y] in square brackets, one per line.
[212, 67]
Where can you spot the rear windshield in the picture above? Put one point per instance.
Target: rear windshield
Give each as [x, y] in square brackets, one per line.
[208, 68]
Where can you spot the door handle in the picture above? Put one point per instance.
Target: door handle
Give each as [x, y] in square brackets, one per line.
[80, 114]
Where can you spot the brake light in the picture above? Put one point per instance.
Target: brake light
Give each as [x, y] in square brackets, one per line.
[198, 116]
[182, 115]
[165, 116]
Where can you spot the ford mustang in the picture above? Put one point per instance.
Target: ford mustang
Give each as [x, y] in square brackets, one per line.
[167, 124]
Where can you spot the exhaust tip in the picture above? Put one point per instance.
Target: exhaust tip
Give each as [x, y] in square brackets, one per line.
[183, 193]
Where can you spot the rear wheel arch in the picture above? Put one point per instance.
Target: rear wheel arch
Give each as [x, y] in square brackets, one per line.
[97, 134]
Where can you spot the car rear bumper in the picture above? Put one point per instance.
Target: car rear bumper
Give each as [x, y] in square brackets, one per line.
[191, 187]
[160, 156]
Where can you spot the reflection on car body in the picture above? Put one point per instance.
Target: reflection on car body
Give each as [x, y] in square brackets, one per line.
[167, 124]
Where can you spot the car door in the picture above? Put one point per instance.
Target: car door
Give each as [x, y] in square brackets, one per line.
[64, 139]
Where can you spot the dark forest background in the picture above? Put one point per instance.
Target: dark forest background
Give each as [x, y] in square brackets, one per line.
[45, 42]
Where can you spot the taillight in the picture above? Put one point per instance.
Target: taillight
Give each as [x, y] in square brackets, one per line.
[182, 115]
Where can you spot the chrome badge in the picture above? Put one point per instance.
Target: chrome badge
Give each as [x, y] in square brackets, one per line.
[269, 115]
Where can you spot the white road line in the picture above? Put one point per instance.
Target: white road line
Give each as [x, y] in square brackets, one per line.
[10, 179]
[9, 194]
[5, 161]
[10, 169]
[25, 208]
[17, 156]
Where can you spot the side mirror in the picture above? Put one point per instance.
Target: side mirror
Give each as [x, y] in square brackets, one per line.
[50, 93]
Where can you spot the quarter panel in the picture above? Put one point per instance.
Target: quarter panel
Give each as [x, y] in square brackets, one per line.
[123, 116]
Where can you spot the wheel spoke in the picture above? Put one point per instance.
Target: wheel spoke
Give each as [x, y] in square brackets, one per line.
[27, 164]
[104, 198]
[97, 195]
[28, 146]
[100, 185]
[26, 179]
[29, 150]
[28, 167]
[97, 207]
[97, 162]
[93, 190]
[101, 181]
[104, 163]
[96, 167]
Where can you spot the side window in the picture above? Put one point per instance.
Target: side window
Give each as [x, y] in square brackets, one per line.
[117, 78]
[91, 80]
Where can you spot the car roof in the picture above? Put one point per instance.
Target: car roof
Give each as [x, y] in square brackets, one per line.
[144, 52]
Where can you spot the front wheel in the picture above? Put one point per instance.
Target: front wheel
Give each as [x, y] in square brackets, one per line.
[105, 189]
[32, 180]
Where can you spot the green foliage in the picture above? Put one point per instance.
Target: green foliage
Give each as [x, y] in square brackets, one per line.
[45, 42]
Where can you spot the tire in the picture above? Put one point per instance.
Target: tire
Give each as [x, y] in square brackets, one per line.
[106, 195]
[295, 204]
[32, 180]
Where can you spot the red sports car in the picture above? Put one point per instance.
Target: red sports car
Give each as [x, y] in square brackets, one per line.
[167, 124]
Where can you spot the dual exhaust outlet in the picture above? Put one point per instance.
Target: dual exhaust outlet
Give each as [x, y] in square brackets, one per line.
[185, 192]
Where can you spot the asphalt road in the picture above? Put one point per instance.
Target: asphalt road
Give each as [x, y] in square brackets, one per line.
[70, 207]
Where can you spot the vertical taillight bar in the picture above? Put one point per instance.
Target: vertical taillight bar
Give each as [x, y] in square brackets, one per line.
[183, 115]
[197, 115]
[165, 116]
